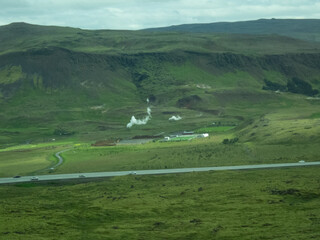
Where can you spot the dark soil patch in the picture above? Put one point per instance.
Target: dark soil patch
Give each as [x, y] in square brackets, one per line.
[189, 102]
[104, 143]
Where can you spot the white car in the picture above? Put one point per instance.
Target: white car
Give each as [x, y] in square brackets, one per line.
[301, 161]
[34, 179]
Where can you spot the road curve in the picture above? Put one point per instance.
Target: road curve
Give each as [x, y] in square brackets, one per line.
[59, 158]
[151, 172]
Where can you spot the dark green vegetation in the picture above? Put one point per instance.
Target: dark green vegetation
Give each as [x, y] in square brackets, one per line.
[295, 85]
[264, 204]
[70, 83]
[306, 29]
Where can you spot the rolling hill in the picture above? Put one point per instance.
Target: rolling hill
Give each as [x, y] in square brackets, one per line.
[305, 29]
[60, 82]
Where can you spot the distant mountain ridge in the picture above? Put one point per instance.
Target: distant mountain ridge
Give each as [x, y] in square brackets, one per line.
[305, 29]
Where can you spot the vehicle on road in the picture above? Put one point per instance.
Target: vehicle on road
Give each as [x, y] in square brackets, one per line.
[301, 161]
[34, 179]
[17, 176]
[133, 173]
[82, 176]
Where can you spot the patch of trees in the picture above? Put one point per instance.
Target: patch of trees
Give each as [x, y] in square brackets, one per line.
[61, 131]
[152, 98]
[295, 85]
[274, 86]
[230, 141]
[138, 78]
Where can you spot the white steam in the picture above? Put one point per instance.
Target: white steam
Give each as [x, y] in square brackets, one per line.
[143, 121]
[175, 118]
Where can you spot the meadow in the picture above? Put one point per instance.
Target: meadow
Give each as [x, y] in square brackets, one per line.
[200, 152]
[263, 204]
[192, 153]
[282, 136]
[30, 159]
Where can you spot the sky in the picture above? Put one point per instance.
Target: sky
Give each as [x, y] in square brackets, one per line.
[139, 14]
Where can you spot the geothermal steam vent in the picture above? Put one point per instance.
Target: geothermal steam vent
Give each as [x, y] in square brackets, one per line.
[143, 121]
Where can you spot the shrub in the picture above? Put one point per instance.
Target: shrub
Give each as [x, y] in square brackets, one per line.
[62, 131]
[225, 141]
[297, 85]
[230, 141]
[273, 86]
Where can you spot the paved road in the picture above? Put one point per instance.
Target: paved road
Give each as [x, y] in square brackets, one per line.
[152, 172]
[59, 158]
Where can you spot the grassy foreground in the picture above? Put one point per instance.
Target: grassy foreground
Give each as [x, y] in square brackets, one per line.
[264, 204]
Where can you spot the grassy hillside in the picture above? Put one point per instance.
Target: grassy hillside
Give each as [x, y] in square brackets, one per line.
[18, 37]
[62, 82]
[305, 29]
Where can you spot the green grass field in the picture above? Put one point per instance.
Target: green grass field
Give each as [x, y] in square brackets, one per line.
[263, 204]
[281, 136]
[159, 155]
[30, 159]
[196, 153]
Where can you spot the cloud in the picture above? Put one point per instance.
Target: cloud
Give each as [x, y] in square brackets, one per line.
[137, 14]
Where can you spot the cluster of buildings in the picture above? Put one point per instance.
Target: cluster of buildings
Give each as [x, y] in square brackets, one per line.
[185, 136]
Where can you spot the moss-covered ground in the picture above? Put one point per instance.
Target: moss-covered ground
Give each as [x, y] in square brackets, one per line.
[263, 204]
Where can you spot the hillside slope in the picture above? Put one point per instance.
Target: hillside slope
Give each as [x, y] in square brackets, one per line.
[305, 29]
[57, 82]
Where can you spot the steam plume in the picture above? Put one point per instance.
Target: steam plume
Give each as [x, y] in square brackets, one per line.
[143, 121]
[175, 118]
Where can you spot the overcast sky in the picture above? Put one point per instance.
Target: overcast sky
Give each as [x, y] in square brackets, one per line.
[138, 14]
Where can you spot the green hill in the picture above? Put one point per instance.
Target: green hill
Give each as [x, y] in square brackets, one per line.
[305, 29]
[62, 82]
